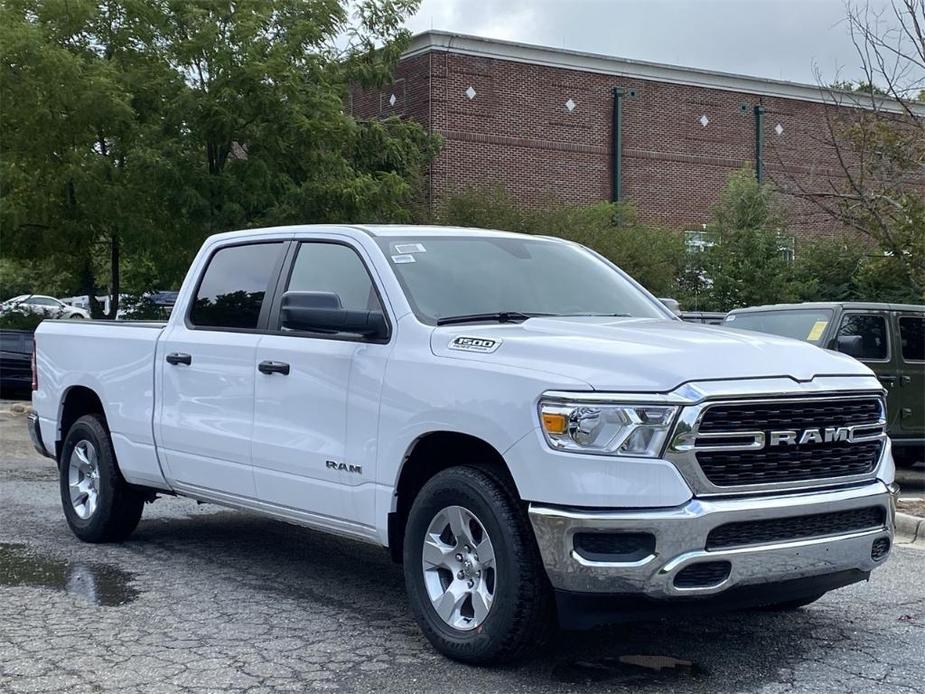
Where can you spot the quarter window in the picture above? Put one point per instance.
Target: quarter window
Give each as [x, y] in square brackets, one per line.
[863, 337]
[912, 335]
[234, 285]
[336, 269]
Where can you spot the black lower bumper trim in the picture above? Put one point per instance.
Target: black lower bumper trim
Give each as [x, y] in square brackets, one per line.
[35, 433]
[588, 610]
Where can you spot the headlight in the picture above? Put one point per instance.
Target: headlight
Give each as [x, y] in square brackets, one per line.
[607, 429]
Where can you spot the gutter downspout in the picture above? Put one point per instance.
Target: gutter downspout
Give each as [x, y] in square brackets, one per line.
[759, 143]
[616, 142]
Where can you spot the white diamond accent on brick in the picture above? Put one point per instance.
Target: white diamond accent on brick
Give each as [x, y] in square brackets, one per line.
[570, 105]
[392, 100]
[470, 92]
[704, 121]
[779, 129]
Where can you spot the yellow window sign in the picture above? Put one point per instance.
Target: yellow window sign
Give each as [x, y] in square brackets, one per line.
[816, 331]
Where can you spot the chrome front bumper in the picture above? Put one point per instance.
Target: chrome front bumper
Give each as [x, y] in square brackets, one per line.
[681, 536]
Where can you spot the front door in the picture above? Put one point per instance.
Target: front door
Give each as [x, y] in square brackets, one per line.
[207, 366]
[316, 408]
[866, 336]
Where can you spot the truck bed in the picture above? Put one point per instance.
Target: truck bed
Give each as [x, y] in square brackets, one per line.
[115, 360]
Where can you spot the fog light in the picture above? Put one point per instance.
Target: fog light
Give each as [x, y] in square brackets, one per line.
[880, 548]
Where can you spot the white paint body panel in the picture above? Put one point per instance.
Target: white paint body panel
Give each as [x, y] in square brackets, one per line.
[220, 430]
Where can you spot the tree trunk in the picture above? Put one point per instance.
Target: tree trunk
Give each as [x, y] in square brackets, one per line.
[114, 281]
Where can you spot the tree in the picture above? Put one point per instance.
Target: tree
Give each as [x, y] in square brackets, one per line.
[139, 128]
[875, 132]
[746, 265]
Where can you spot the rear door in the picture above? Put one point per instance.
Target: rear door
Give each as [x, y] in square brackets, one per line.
[208, 363]
[867, 336]
[315, 425]
[910, 328]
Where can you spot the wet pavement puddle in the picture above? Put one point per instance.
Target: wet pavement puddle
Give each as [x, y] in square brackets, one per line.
[625, 669]
[97, 584]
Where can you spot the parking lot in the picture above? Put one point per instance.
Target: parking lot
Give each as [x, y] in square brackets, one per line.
[204, 599]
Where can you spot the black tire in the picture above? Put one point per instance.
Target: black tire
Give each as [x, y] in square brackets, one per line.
[119, 505]
[791, 605]
[907, 457]
[521, 617]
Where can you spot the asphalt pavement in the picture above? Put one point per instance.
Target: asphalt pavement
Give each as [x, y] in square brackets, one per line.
[205, 599]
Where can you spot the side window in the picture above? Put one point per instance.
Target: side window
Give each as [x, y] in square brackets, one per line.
[234, 285]
[863, 337]
[334, 268]
[912, 335]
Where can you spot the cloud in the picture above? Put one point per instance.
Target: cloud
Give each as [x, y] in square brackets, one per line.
[779, 39]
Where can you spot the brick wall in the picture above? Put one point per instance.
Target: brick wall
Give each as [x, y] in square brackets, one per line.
[517, 132]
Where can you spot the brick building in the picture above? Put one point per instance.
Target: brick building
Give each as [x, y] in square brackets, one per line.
[583, 128]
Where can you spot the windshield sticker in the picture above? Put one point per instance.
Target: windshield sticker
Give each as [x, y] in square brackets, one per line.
[399, 259]
[409, 248]
[474, 344]
[816, 331]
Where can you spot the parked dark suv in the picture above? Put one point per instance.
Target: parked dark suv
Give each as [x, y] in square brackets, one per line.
[889, 338]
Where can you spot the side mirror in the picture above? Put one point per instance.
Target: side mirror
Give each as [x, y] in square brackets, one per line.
[852, 345]
[321, 312]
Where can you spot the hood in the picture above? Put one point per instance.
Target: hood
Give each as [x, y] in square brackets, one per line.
[640, 354]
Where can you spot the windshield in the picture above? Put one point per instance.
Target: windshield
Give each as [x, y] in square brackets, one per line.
[452, 276]
[802, 324]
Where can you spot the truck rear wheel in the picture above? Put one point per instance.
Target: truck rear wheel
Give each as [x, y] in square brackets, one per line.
[99, 505]
[472, 569]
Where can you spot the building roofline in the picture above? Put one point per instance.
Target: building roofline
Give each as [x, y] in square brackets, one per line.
[639, 69]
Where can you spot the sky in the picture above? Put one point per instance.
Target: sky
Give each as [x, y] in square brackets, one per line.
[777, 39]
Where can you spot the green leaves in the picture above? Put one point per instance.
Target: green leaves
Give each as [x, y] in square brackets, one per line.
[143, 127]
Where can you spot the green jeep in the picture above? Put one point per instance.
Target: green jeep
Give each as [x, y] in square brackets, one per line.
[889, 338]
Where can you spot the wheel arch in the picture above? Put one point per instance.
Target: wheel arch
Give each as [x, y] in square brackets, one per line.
[76, 402]
[428, 455]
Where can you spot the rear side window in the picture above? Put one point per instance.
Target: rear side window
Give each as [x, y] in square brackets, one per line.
[234, 285]
[863, 336]
[337, 269]
[912, 335]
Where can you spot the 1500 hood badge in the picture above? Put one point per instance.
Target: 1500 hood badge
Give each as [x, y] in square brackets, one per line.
[474, 344]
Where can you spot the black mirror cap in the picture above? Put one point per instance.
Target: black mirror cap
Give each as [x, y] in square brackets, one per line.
[321, 312]
[852, 345]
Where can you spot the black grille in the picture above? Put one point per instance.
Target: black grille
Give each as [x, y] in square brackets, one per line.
[790, 415]
[789, 463]
[795, 528]
[703, 574]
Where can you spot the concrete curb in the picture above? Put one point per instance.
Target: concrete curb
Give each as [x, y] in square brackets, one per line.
[910, 530]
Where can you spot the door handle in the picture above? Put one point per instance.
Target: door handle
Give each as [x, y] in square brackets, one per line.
[273, 367]
[175, 358]
[888, 381]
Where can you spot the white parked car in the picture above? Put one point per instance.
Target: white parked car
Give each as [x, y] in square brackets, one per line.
[44, 305]
[535, 437]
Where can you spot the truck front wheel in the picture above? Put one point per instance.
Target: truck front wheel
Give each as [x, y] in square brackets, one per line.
[472, 569]
[99, 505]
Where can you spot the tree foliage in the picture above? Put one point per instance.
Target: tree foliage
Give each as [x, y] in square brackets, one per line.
[749, 262]
[134, 129]
[875, 132]
[746, 265]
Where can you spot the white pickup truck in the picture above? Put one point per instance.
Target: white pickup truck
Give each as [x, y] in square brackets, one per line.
[532, 434]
